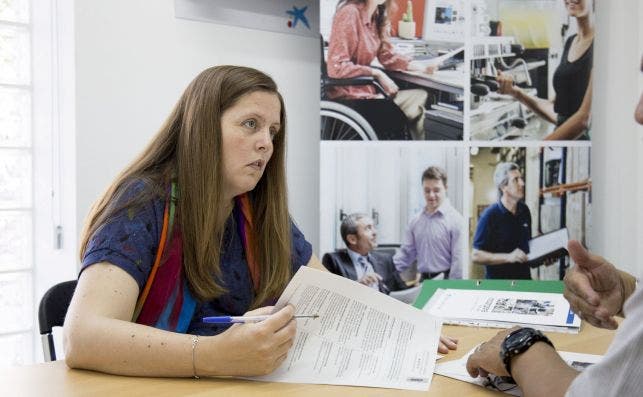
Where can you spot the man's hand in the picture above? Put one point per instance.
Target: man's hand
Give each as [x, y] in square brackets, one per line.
[516, 255]
[486, 359]
[593, 287]
[370, 279]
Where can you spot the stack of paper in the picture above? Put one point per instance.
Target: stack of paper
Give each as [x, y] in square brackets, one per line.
[503, 309]
[361, 337]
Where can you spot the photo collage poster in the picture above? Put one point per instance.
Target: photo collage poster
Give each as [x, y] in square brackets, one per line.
[472, 89]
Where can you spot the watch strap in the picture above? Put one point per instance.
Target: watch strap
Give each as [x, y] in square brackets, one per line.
[510, 350]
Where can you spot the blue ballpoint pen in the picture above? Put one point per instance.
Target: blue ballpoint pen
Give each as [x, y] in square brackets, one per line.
[244, 319]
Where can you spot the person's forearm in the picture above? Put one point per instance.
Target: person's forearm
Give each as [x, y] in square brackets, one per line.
[542, 107]
[540, 371]
[403, 259]
[125, 348]
[571, 129]
[487, 258]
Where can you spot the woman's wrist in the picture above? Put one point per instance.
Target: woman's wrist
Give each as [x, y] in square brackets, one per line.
[203, 365]
[517, 93]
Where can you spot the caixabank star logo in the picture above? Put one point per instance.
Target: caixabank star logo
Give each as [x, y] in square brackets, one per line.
[296, 15]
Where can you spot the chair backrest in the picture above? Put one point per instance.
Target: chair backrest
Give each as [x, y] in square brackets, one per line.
[51, 313]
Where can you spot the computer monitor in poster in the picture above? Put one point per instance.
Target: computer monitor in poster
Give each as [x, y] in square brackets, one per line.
[444, 20]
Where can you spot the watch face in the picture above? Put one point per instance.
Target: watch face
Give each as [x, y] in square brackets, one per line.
[522, 335]
[519, 338]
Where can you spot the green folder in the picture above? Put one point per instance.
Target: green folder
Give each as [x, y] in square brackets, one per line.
[430, 286]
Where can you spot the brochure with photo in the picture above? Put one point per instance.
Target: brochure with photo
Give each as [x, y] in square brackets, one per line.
[504, 309]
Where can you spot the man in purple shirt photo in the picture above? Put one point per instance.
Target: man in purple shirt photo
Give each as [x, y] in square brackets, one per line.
[434, 236]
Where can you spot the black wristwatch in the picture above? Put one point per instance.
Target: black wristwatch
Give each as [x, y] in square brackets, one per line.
[518, 342]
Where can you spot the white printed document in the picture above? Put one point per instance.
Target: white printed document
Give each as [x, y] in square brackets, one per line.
[504, 309]
[457, 369]
[361, 337]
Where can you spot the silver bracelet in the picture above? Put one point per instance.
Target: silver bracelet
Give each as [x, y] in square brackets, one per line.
[195, 341]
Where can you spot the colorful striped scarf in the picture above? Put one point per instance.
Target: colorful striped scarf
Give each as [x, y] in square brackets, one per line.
[166, 301]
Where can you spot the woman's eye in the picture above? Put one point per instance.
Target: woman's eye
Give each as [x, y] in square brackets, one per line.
[273, 133]
[252, 123]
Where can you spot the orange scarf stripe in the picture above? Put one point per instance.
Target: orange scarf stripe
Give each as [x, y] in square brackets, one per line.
[157, 261]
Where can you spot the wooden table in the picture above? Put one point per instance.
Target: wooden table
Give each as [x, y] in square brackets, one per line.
[56, 379]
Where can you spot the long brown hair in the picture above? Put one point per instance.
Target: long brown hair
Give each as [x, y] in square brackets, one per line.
[380, 17]
[188, 148]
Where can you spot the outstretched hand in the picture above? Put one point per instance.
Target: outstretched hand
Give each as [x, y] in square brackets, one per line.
[593, 288]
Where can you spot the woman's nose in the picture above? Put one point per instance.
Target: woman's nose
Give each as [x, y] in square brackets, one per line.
[264, 140]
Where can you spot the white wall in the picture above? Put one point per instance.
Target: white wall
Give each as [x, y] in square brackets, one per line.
[617, 142]
[134, 58]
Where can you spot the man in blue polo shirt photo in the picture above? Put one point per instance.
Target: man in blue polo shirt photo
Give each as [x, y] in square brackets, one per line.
[501, 241]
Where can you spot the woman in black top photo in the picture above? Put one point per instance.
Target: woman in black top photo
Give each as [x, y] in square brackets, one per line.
[571, 106]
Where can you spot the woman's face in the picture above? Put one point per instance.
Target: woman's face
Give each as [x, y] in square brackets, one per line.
[577, 8]
[248, 128]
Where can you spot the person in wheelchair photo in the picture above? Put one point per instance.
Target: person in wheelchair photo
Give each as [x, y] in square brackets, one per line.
[359, 101]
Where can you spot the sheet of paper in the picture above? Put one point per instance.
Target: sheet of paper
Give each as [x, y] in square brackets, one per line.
[361, 338]
[547, 243]
[438, 60]
[457, 369]
[503, 308]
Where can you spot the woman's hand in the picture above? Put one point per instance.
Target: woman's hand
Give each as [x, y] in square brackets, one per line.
[424, 67]
[506, 85]
[253, 348]
[389, 85]
[447, 343]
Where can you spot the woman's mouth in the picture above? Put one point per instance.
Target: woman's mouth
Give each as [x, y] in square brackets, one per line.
[258, 165]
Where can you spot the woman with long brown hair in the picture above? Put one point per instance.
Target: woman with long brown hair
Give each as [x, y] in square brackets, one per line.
[197, 225]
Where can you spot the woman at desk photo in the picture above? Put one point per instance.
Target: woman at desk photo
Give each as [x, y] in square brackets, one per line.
[571, 107]
[359, 34]
[196, 226]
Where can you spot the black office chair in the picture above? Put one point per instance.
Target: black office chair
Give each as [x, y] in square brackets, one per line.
[359, 119]
[51, 313]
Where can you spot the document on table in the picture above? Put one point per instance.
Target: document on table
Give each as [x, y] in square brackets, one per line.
[361, 337]
[504, 309]
[457, 369]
